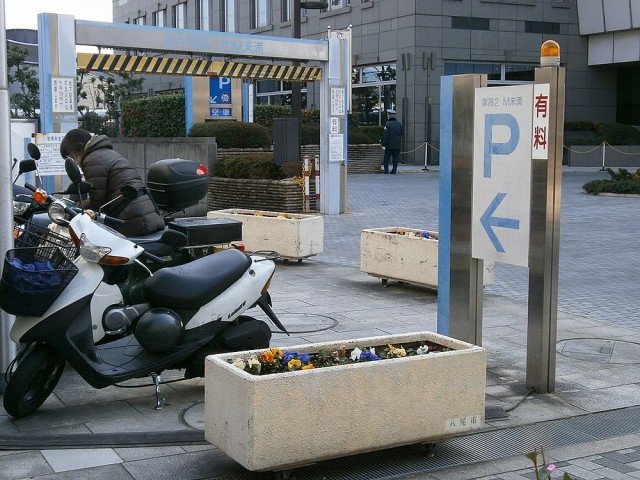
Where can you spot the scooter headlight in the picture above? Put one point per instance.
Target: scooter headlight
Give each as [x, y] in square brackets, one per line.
[20, 207]
[57, 214]
[97, 254]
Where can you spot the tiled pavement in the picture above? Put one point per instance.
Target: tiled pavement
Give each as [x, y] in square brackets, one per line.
[328, 298]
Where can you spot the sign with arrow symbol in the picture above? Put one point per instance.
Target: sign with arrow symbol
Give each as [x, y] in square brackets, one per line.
[503, 122]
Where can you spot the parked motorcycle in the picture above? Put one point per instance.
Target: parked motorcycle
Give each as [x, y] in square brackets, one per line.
[191, 311]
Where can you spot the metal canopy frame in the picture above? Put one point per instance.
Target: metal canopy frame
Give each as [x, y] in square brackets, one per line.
[58, 35]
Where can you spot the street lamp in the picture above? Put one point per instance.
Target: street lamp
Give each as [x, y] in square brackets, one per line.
[296, 87]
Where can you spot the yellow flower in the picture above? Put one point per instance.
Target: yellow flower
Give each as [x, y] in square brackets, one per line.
[398, 352]
[276, 352]
[293, 364]
[308, 367]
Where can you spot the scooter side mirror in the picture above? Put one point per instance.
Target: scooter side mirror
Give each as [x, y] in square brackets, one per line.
[73, 171]
[34, 151]
[27, 165]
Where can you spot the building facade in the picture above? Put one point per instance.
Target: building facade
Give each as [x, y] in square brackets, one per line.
[401, 48]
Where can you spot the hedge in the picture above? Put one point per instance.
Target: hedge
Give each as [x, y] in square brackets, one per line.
[621, 182]
[156, 116]
[231, 134]
[257, 166]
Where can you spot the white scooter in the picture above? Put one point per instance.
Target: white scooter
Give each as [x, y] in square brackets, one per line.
[190, 311]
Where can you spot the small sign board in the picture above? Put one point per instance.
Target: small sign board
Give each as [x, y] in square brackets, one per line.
[50, 162]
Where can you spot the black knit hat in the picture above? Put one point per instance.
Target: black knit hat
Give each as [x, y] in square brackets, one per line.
[74, 141]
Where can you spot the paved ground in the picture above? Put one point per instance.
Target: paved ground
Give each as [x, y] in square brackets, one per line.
[590, 425]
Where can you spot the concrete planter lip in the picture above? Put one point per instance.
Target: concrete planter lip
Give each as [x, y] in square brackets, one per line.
[285, 420]
[387, 253]
[292, 235]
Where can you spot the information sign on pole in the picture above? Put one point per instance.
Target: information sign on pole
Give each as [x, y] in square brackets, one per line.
[503, 122]
[220, 104]
[50, 162]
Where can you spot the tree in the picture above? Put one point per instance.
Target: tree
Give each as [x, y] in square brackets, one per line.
[108, 92]
[26, 103]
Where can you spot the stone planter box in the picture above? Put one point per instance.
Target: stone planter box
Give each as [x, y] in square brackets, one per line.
[284, 420]
[387, 255]
[292, 235]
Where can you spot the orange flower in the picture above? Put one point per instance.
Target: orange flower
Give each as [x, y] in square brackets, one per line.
[308, 367]
[266, 357]
[276, 352]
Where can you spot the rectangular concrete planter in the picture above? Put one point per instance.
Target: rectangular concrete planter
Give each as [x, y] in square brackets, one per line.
[292, 235]
[284, 420]
[388, 255]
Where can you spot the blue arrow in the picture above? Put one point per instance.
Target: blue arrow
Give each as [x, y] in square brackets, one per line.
[488, 221]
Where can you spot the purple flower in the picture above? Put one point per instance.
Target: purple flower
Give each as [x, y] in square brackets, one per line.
[368, 356]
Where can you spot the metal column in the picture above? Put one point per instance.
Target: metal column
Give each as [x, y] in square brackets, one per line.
[546, 184]
[7, 347]
[459, 275]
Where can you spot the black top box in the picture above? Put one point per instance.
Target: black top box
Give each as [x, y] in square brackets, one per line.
[176, 183]
[208, 231]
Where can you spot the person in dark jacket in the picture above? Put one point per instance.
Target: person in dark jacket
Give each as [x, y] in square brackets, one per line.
[391, 141]
[107, 171]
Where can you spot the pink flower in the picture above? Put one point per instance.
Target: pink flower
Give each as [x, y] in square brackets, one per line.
[551, 467]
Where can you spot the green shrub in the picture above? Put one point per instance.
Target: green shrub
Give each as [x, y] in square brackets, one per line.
[310, 135]
[231, 134]
[264, 114]
[619, 134]
[358, 137]
[622, 182]
[257, 166]
[92, 122]
[156, 116]
[374, 132]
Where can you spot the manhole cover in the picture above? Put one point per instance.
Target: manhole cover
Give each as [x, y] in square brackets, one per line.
[601, 350]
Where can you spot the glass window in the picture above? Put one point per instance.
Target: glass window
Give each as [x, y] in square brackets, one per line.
[337, 4]
[287, 8]
[259, 11]
[139, 20]
[275, 92]
[378, 73]
[520, 73]
[180, 15]
[228, 21]
[159, 18]
[202, 15]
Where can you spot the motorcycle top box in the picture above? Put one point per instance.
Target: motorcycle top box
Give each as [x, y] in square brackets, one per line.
[176, 183]
[207, 231]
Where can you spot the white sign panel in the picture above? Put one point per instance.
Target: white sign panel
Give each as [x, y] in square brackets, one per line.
[539, 141]
[502, 174]
[337, 101]
[63, 94]
[51, 162]
[336, 147]
[335, 125]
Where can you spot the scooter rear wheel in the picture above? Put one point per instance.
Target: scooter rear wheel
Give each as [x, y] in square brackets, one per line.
[33, 381]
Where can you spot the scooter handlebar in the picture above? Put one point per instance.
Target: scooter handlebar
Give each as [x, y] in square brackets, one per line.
[152, 257]
[30, 187]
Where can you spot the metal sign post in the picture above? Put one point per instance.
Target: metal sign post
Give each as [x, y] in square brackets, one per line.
[500, 183]
[544, 248]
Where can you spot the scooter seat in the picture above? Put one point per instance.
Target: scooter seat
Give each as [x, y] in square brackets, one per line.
[196, 283]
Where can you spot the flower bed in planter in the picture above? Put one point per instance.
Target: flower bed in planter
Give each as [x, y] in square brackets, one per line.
[284, 420]
[405, 254]
[292, 235]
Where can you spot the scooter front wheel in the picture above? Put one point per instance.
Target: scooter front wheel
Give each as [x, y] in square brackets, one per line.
[33, 381]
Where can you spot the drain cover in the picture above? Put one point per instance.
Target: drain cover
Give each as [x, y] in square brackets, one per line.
[601, 350]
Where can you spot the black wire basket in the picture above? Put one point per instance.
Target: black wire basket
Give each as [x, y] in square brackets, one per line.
[33, 235]
[33, 278]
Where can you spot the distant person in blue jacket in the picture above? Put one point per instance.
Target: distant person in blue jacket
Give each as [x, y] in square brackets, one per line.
[391, 141]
